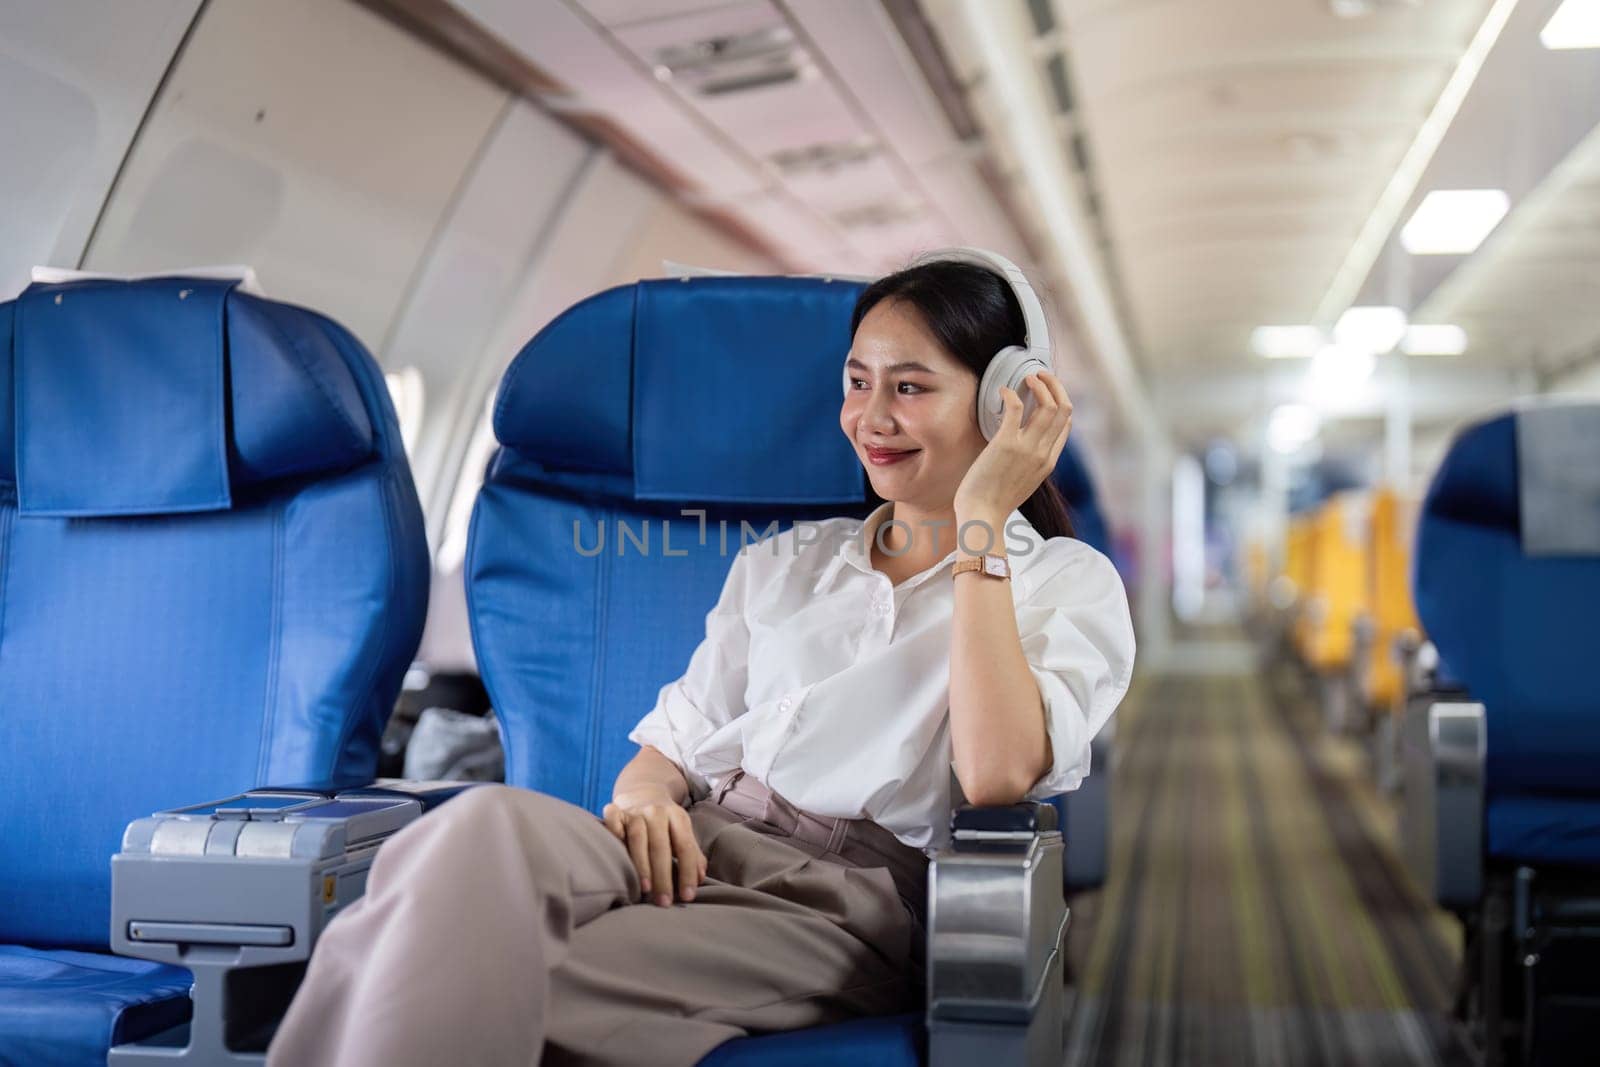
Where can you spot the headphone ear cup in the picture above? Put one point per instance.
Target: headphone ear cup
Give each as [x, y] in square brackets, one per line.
[1006, 370]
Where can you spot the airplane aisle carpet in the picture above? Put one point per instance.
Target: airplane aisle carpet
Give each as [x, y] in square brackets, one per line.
[1255, 912]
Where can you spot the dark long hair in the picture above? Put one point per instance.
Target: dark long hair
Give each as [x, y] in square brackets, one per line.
[973, 313]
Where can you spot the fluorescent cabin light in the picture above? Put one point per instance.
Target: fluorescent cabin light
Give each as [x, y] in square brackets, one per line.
[1338, 370]
[1283, 342]
[1454, 222]
[1434, 341]
[1576, 24]
[1375, 329]
[1291, 426]
[1375, 232]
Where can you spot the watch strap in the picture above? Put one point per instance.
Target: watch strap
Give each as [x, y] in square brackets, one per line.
[977, 563]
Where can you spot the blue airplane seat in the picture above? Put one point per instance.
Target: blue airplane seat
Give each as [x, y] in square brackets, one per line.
[1083, 503]
[1086, 813]
[714, 394]
[213, 575]
[1515, 625]
[1502, 816]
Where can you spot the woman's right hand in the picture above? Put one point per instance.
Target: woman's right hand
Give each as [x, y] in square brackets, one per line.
[656, 830]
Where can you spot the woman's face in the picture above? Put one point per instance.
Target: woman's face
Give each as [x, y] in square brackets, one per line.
[911, 410]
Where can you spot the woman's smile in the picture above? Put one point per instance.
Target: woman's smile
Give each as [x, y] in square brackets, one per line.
[883, 457]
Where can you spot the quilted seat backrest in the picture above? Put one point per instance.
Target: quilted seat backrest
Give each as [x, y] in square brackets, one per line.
[718, 396]
[213, 571]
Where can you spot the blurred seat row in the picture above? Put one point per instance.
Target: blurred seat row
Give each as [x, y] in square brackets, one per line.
[1456, 636]
[214, 574]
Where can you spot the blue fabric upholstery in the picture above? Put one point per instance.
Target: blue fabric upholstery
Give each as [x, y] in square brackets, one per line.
[61, 1007]
[166, 658]
[1089, 526]
[1516, 632]
[234, 390]
[548, 620]
[893, 1041]
[1083, 503]
[1564, 831]
[685, 428]
[632, 405]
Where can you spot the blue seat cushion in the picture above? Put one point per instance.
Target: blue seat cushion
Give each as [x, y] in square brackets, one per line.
[60, 1007]
[891, 1041]
[1543, 829]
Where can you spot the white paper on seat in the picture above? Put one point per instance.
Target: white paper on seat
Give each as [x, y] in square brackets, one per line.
[1558, 472]
[247, 275]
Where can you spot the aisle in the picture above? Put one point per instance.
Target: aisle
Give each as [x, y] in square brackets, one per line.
[1255, 912]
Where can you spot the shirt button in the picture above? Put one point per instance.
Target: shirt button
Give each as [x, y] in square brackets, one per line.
[785, 704]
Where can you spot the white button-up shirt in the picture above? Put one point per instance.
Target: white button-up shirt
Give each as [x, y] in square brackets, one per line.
[831, 685]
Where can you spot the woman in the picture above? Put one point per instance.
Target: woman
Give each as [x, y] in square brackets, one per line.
[871, 672]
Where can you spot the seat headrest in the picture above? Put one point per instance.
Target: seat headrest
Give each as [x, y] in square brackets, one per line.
[1530, 472]
[695, 389]
[1072, 478]
[1476, 482]
[168, 395]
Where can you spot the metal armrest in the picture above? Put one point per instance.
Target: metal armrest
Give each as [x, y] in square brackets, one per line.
[996, 921]
[1442, 816]
[1025, 818]
[238, 891]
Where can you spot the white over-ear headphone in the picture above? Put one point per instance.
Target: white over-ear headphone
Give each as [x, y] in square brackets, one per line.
[1012, 364]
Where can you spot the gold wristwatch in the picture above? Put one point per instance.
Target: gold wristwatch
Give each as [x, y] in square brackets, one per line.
[993, 566]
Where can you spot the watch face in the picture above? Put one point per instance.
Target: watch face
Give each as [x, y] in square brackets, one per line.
[996, 566]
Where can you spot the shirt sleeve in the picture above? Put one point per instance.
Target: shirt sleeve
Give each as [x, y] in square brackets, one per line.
[711, 692]
[1077, 637]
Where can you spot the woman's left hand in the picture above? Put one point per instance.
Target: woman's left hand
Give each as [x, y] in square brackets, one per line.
[1021, 456]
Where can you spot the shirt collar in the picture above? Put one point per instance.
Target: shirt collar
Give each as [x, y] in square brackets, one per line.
[1017, 535]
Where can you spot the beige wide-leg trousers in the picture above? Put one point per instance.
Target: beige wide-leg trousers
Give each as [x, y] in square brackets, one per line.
[506, 926]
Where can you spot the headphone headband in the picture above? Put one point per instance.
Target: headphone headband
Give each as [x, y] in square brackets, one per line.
[1038, 333]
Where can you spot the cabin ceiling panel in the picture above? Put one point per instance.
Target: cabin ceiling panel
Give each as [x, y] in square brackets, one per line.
[493, 232]
[807, 120]
[316, 142]
[1238, 147]
[76, 77]
[1528, 292]
[623, 12]
[605, 79]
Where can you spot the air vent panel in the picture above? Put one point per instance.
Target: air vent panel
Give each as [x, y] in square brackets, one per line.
[734, 63]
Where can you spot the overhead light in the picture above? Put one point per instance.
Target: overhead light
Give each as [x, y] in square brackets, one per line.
[1378, 228]
[1374, 329]
[1434, 341]
[1291, 426]
[1339, 369]
[1284, 342]
[1454, 222]
[1576, 24]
